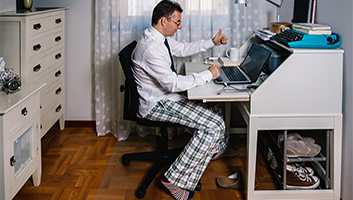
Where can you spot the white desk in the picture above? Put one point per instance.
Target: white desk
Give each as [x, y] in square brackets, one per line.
[303, 93]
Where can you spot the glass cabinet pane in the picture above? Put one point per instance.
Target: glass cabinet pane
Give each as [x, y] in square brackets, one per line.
[23, 151]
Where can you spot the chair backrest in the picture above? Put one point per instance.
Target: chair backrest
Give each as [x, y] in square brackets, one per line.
[131, 96]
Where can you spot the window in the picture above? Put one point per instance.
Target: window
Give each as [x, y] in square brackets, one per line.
[145, 8]
[141, 7]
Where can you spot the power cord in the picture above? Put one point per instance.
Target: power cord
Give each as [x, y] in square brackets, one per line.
[233, 88]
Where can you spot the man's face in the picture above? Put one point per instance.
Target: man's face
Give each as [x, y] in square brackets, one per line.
[173, 23]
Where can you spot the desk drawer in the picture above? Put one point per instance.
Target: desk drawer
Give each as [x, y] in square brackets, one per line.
[49, 118]
[41, 45]
[21, 114]
[51, 95]
[41, 25]
[53, 76]
[41, 66]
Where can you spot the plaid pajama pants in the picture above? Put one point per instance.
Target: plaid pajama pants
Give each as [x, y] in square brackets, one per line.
[208, 139]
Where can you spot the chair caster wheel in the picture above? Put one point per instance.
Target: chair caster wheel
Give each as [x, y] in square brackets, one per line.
[198, 186]
[140, 192]
[125, 162]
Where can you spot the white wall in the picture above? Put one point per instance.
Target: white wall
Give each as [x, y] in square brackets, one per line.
[7, 5]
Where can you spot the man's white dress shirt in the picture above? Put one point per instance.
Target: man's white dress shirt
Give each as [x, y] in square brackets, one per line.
[154, 77]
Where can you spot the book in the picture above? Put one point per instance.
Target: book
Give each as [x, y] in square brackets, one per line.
[314, 32]
[228, 62]
[311, 26]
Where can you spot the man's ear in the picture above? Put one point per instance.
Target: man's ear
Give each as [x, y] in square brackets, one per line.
[163, 21]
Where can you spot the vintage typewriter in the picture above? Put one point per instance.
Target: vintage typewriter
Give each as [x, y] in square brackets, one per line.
[296, 39]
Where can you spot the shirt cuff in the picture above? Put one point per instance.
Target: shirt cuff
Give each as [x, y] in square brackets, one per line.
[206, 75]
[209, 44]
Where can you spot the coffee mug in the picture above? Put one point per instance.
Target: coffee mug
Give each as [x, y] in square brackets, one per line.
[233, 53]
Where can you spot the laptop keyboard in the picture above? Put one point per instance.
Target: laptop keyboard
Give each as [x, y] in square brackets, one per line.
[233, 74]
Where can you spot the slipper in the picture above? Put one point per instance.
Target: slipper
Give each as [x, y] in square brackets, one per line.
[293, 136]
[300, 147]
[230, 152]
[233, 181]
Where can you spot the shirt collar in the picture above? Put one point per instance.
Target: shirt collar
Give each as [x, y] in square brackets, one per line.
[157, 34]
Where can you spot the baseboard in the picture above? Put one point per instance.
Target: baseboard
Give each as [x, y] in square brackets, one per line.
[80, 123]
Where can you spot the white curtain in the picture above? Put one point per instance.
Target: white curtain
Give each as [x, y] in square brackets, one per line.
[118, 22]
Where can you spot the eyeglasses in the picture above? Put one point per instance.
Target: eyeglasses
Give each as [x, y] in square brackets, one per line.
[176, 23]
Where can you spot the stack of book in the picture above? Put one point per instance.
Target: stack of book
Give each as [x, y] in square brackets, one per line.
[312, 29]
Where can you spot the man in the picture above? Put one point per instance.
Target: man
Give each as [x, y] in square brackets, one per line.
[159, 87]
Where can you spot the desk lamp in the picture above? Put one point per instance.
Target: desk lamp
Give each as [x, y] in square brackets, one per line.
[241, 2]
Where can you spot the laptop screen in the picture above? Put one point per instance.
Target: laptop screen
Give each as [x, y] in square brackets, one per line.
[254, 61]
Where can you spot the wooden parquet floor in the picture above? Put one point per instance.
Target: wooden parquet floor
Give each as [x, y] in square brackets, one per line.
[78, 165]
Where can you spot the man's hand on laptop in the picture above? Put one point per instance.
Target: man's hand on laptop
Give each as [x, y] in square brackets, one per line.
[215, 70]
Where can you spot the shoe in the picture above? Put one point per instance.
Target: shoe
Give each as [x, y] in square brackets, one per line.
[271, 157]
[301, 169]
[234, 181]
[301, 181]
[293, 136]
[269, 154]
[298, 146]
[229, 152]
[273, 163]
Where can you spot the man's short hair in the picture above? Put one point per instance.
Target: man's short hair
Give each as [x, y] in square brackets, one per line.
[165, 8]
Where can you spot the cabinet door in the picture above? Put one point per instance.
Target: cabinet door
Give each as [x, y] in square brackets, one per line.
[22, 157]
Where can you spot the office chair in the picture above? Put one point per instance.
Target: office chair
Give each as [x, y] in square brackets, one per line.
[163, 156]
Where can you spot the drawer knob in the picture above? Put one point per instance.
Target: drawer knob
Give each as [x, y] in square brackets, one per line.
[58, 73]
[58, 21]
[58, 108]
[58, 56]
[37, 68]
[57, 39]
[37, 26]
[58, 91]
[122, 88]
[36, 47]
[24, 111]
[12, 161]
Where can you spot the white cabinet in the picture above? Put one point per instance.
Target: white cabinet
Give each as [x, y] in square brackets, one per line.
[303, 93]
[20, 146]
[34, 45]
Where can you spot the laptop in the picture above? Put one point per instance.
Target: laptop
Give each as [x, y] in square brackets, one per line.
[249, 70]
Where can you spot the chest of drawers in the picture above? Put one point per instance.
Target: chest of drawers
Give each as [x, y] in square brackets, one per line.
[33, 44]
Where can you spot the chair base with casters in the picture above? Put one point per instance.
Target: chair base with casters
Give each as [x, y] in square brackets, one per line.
[163, 156]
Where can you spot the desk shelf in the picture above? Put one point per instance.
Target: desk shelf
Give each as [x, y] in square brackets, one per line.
[321, 171]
